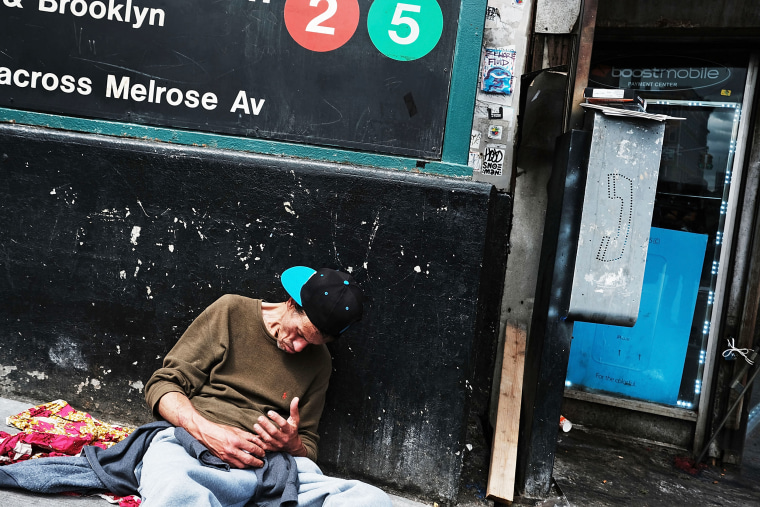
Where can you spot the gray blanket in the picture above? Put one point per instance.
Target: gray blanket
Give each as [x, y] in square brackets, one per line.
[112, 469]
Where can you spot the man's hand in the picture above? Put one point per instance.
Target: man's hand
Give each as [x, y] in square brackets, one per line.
[232, 445]
[277, 434]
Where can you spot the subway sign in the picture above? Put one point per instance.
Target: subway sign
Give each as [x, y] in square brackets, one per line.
[355, 74]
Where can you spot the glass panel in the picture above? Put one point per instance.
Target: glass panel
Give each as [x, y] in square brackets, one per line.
[692, 196]
[695, 178]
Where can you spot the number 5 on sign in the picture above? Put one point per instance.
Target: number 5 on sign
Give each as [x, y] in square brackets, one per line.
[321, 25]
[398, 19]
[405, 30]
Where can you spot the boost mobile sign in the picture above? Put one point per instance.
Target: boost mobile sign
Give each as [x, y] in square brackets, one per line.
[683, 78]
[357, 74]
[667, 73]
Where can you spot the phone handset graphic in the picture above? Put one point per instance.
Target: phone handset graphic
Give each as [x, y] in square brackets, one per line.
[612, 246]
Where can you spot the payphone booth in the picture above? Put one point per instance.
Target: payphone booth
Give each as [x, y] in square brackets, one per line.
[661, 363]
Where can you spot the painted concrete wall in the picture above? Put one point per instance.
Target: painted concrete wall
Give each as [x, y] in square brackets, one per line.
[507, 25]
[110, 247]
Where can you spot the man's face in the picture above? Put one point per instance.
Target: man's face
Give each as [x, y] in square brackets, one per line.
[296, 332]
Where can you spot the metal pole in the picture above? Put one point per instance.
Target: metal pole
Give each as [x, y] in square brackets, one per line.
[728, 414]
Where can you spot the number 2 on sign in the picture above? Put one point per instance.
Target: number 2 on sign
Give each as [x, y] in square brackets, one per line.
[315, 25]
[321, 29]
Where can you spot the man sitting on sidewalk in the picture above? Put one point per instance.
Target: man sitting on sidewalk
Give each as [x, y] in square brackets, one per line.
[230, 380]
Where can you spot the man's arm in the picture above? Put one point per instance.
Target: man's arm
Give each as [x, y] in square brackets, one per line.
[232, 445]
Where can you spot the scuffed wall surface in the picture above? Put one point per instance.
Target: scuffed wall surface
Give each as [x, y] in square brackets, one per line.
[694, 14]
[556, 16]
[111, 247]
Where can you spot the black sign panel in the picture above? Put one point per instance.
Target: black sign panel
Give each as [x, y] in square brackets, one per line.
[357, 74]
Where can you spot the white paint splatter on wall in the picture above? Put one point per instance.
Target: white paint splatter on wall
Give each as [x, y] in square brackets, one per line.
[289, 209]
[4, 372]
[624, 151]
[95, 383]
[135, 234]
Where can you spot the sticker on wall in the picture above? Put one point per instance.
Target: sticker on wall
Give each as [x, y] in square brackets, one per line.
[492, 14]
[493, 160]
[475, 160]
[498, 70]
[475, 137]
[495, 114]
[495, 132]
[494, 20]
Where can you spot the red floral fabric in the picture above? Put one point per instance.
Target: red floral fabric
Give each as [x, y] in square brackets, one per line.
[57, 429]
[60, 418]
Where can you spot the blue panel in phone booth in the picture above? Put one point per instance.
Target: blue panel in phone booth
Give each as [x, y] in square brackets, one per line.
[646, 361]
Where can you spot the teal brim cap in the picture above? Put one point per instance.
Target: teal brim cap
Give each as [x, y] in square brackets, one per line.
[293, 280]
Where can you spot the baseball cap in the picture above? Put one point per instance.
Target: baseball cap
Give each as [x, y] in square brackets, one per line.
[331, 299]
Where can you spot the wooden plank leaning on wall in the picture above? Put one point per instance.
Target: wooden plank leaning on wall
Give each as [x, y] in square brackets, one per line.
[501, 475]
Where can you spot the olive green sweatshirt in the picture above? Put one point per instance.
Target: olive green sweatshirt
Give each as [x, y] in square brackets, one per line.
[230, 368]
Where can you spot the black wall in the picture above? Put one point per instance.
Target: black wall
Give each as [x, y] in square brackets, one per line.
[110, 247]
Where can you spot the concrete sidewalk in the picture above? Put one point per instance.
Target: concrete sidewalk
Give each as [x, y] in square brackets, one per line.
[11, 498]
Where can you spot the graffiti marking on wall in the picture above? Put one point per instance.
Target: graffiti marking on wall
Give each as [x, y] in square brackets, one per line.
[498, 70]
[493, 159]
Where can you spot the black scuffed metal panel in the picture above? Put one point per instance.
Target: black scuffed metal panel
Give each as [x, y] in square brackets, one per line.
[352, 96]
[548, 349]
[111, 247]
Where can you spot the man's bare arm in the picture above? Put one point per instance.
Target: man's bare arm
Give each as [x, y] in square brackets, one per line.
[230, 444]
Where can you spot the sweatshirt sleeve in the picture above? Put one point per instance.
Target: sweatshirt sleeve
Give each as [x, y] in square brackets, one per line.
[187, 365]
